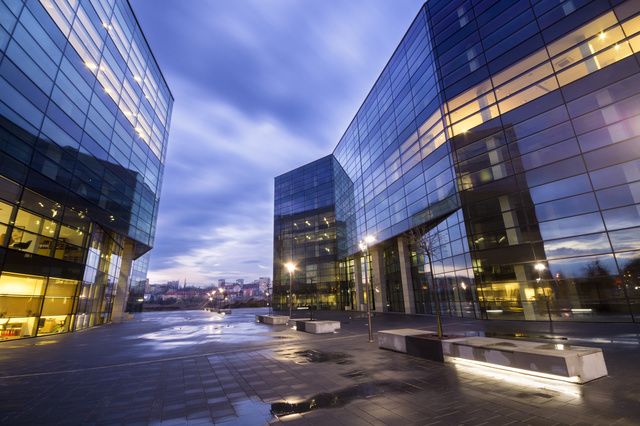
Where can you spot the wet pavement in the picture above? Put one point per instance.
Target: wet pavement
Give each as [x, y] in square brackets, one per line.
[197, 367]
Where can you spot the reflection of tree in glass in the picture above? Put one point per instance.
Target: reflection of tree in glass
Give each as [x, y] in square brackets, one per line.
[428, 242]
[595, 268]
[597, 287]
[631, 273]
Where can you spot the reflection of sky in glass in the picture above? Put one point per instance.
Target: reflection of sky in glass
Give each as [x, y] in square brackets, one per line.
[627, 257]
[628, 239]
[576, 267]
[578, 246]
[615, 175]
[585, 224]
[584, 203]
[625, 217]
[560, 189]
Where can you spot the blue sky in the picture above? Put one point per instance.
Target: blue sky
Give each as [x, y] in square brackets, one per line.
[261, 87]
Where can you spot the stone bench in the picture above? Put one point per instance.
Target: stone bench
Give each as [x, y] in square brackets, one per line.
[396, 340]
[575, 364]
[272, 319]
[315, 327]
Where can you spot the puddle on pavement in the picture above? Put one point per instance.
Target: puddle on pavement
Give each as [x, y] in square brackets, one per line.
[317, 357]
[334, 399]
[533, 395]
[357, 374]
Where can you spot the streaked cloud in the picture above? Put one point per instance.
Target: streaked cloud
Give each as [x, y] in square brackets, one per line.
[261, 87]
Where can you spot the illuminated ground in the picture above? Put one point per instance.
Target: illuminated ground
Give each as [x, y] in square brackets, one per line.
[196, 367]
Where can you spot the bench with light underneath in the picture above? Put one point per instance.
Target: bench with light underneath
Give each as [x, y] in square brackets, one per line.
[272, 319]
[561, 362]
[315, 327]
[575, 364]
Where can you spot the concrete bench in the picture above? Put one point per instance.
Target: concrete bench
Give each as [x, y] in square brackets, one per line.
[570, 363]
[396, 340]
[575, 364]
[272, 319]
[315, 327]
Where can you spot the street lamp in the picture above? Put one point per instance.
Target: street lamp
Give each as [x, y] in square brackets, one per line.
[540, 267]
[269, 298]
[364, 246]
[290, 267]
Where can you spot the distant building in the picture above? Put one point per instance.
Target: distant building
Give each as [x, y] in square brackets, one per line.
[265, 283]
[251, 290]
[233, 289]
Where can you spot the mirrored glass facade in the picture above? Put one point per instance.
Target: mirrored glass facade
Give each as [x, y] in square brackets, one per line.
[84, 119]
[307, 230]
[511, 128]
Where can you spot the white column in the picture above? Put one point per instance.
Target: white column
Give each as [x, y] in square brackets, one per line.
[405, 273]
[358, 281]
[379, 288]
[122, 290]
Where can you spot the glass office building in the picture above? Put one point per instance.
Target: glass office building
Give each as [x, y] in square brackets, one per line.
[84, 119]
[511, 129]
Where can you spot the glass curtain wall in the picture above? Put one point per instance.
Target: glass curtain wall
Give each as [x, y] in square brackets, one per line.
[545, 117]
[84, 118]
[511, 127]
[306, 236]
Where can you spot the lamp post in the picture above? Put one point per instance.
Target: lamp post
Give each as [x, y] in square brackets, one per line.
[540, 267]
[364, 246]
[269, 300]
[290, 267]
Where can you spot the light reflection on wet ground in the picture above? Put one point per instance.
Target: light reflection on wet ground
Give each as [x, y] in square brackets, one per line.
[183, 366]
[200, 328]
[313, 356]
[338, 398]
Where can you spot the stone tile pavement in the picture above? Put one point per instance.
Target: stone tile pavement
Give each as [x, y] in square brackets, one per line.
[196, 367]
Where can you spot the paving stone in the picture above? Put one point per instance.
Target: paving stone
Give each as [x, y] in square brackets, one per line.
[118, 374]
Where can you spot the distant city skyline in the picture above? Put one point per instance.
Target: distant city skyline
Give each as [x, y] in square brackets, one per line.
[216, 283]
[260, 87]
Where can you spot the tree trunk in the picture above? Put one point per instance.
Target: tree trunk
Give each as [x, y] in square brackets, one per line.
[435, 297]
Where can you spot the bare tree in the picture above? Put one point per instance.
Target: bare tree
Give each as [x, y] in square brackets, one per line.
[428, 241]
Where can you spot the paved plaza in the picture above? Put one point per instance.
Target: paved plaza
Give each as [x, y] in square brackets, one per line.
[197, 367]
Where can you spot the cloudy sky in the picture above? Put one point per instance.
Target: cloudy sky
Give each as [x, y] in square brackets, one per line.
[261, 87]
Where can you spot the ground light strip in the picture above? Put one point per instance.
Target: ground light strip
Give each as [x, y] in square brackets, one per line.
[564, 388]
[488, 366]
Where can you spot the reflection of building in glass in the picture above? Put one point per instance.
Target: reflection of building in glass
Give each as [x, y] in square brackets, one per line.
[513, 131]
[84, 117]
